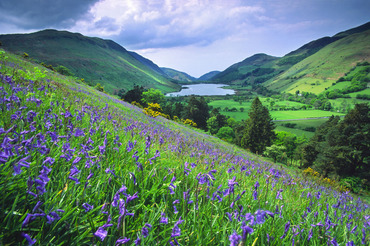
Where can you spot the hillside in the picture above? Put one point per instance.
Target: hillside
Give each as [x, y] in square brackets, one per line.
[81, 167]
[208, 76]
[319, 71]
[94, 59]
[148, 63]
[177, 75]
[321, 61]
[251, 67]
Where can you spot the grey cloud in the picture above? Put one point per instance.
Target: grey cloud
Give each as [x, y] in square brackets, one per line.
[26, 14]
[107, 24]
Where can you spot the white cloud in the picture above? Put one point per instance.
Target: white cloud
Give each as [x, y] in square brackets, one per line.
[150, 24]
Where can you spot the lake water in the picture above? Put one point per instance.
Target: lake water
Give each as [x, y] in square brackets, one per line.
[202, 90]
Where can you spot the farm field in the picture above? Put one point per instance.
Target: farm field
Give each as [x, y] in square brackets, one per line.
[299, 126]
[295, 131]
[286, 115]
[302, 114]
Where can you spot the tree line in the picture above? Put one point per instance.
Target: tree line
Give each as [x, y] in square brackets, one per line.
[340, 149]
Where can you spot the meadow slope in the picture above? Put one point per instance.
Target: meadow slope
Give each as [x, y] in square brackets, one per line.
[79, 167]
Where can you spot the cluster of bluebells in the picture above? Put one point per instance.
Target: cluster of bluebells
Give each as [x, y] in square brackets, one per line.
[67, 146]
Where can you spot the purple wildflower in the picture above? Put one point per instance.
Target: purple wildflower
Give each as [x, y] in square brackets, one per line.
[363, 241]
[309, 235]
[334, 242]
[101, 233]
[234, 239]
[122, 241]
[164, 219]
[28, 238]
[137, 241]
[287, 226]
[87, 207]
[175, 209]
[176, 231]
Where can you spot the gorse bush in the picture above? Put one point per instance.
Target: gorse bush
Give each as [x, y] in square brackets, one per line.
[79, 167]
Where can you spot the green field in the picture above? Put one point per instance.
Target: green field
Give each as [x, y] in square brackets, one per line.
[300, 125]
[286, 115]
[301, 114]
[297, 132]
[363, 92]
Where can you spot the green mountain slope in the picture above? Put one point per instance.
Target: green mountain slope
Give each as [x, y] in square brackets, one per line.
[177, 75]
[94, 59]
[320, 70]
[247, 70]
[312, 67]
[148, 63]
[208, 76]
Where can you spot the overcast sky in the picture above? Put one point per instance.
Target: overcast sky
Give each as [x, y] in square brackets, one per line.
[194, 36]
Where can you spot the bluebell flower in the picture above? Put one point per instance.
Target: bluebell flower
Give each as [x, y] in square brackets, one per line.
[164, 219]
[28, 238]
[234, 239]
[122, 241]
[287, 226]
[101, 233]
[137, 241]
[87, 207]
[176, 231]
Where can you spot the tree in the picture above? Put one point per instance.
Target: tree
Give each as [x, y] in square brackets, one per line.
[226, 133]
[197, 110]
[64, 71]
[121, 93]
[152, 96]
[216, 121]
[289, 141]
[136, 94]
[342, 147]
[259, 128]
[99, 87]
[275, 151]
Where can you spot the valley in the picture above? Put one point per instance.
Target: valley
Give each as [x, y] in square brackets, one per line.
[92, 152]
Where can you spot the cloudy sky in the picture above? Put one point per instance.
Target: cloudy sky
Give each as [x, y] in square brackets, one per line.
[194, 36]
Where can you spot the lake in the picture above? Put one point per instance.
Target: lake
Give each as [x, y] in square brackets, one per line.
[202, 90]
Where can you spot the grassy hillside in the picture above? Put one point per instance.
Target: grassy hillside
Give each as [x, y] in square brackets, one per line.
[247, 70]
[320, 70]
[79, 167]
[177, 75]
[208, 76]
[312, 68]
[96, 60]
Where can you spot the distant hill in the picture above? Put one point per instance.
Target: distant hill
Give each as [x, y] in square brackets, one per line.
[321, 70]
[177, 75]
[313, 67]
[208, 76]
[94, 59]
[248, 70]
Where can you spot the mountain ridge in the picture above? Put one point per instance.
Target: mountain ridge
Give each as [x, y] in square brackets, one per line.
[104, 61]
[273, 73]
[94, 59]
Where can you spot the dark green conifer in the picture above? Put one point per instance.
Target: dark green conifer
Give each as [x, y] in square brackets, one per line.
[259, 128]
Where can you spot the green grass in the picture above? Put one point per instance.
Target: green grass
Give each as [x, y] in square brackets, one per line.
[297, 132]
[116, 173]
[301, 114]
[339, 86]
[320, 70]
[363, 92]
[300, 125]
